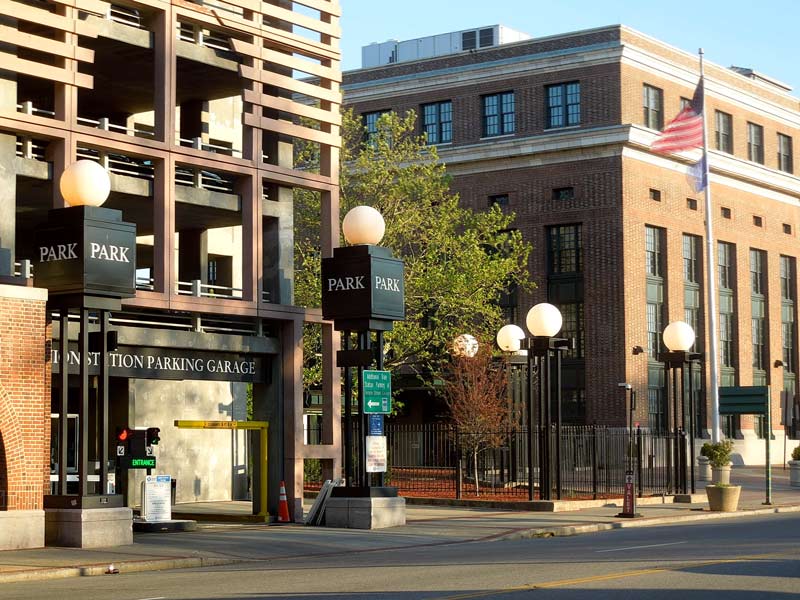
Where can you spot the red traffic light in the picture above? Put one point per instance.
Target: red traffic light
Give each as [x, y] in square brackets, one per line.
[123, 434]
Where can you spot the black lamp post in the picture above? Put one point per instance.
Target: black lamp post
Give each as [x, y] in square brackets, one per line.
[544, 322]
[679, 338]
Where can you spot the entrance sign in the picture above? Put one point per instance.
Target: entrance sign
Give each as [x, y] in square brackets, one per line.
[377, 387]
[376, 454]
[156, 498]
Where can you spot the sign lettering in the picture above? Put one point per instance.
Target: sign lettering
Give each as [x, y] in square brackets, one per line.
[109, 252]
[340, 284]
[389, 284]
[57, 252]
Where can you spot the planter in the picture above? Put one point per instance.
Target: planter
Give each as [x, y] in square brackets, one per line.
[723, 498]
[703, 469]
[794, 473]
[721, 474]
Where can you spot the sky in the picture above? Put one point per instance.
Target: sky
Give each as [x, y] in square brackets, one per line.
[764, 36]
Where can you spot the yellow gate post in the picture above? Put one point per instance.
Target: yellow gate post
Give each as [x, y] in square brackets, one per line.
[262, 427]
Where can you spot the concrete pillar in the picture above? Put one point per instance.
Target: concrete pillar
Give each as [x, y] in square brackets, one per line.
[193, 255]
[194, 120]
[8, 195]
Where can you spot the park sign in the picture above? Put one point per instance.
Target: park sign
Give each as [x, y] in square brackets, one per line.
[744, 400]
[363, 288]
[86, 251]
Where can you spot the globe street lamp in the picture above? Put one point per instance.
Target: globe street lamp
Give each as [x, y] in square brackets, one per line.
[465, 345]
[544, 322]
[679, 337]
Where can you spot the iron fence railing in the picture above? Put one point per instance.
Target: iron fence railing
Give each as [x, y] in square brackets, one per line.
[438, 459]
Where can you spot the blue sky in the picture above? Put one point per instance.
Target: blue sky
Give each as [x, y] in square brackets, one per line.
[764, 36]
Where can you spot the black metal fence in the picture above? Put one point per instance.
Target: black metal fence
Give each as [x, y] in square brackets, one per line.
[439, 460]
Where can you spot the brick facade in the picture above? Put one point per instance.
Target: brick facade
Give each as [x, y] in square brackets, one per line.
[606, 160]
[24, 399]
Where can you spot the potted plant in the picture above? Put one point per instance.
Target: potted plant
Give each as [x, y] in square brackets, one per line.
[719, 457]
[794, 468]
[723, 497]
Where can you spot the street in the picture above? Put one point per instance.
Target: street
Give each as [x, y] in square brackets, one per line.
[743, 558]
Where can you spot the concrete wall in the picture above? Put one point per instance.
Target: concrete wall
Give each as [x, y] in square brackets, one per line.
[209, 465]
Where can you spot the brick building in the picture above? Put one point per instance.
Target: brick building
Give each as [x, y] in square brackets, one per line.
[189, 106]
[557, 130]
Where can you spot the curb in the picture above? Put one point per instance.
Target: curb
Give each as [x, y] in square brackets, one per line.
[133, 566]
[570, 530]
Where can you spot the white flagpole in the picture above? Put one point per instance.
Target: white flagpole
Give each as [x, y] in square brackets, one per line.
[711, 261]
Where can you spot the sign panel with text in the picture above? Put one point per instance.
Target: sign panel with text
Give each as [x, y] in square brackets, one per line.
[377, 387]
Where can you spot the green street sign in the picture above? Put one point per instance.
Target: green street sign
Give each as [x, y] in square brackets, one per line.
[744, 400]
[137, 462]
[377, 386]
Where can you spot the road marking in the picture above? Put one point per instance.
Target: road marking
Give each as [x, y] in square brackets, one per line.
[638, 547]
[619, 575]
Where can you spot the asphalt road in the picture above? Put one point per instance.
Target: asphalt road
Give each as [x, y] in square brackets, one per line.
[736, 558]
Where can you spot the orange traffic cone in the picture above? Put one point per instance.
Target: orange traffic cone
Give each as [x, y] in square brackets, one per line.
[283, 505]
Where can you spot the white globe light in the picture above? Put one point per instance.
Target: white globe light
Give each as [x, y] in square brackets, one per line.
[465, 345]
[544, 320]
[510, 337]
[678, 336]
[363, 225]
[85, 183]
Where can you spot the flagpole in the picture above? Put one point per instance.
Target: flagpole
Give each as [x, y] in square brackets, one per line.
[711, 261]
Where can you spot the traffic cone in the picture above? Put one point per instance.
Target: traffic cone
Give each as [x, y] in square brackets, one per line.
[283, 505]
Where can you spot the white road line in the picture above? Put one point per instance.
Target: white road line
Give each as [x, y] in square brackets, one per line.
[637, 547]
[156, 598]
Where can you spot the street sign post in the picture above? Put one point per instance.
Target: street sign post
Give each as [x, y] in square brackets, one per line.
[750, 400]
[377, 387]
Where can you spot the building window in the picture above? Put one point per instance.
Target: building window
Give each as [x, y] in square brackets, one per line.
[785, 158]
[758, 259]
[787, 278]
[690, 264]
[564, 193]
[653, 251]
[564, 249]
[723, 131]
[370, 122]
[725, 255]
[655, 195]
[498, 114]
[725, 212]
[758, 221]
[653, 103]
[757, 263]
[788, 333]
[469, 40]
[572, 327]
[500, 200]
[486, 37]
[787, 229]
[437, 122]
[755, 143]
[563, 104]
[691, 204]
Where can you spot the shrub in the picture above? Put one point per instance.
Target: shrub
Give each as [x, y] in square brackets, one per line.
[719, 453]
[796, 453]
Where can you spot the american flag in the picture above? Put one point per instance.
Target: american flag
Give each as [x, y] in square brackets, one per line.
[685, 131]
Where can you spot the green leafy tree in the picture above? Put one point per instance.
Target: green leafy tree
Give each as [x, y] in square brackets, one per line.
[458, 261]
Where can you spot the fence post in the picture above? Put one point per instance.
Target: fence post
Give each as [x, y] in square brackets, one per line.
[639, 460]
[594, 462]
[682, 440]
[459, 472]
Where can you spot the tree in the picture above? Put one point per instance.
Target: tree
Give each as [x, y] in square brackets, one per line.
[458, 261]
[476, 393]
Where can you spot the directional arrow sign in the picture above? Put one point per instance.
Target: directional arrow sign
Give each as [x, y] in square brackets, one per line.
[377, 386]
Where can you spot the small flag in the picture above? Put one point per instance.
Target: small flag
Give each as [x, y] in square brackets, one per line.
[697, 174]
[685, 131]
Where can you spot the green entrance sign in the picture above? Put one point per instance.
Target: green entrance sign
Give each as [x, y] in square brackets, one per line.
[137, 462]
[377, 386]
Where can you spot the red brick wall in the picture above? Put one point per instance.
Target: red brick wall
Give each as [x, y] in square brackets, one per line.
[24, 399]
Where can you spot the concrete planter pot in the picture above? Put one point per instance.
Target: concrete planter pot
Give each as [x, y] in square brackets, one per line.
[721, 474]
[703, 469]
[723, 498]
[794, 473]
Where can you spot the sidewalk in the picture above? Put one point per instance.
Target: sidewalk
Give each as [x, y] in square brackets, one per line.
[228, 543]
